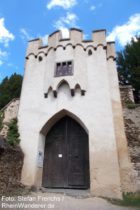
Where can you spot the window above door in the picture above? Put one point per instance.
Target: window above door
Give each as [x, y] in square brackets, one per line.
[64, 69]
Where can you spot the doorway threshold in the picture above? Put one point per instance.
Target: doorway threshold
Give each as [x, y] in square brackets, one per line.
[78, 193]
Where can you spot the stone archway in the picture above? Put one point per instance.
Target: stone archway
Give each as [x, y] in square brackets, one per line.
[66, 156]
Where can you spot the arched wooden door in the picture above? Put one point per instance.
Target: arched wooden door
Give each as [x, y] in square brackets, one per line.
[66, 157]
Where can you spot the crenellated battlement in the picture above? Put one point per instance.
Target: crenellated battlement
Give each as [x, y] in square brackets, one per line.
[111, 53]
[75, 78]
[99, 37]
[55, 40]
[33, 46]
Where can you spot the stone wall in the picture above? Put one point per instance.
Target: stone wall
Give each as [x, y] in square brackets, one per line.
[10, 112]
[131, 114]
[132, 128]
[126, 94]
[11, 161]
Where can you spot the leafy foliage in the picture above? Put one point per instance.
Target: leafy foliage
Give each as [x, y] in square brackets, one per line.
[128, 62]
[13, 134]
[10, 88]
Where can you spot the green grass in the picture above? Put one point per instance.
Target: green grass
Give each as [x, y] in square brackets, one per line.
[129, 199]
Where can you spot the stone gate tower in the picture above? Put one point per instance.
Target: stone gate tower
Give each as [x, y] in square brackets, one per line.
[70, 116]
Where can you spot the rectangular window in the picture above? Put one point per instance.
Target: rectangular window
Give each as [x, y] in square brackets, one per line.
[64, 69]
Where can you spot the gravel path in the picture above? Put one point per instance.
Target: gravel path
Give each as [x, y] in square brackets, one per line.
[58, 201]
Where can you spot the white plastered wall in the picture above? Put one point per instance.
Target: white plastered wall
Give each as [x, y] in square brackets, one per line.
[94, 109]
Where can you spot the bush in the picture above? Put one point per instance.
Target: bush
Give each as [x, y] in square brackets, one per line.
[13, 134]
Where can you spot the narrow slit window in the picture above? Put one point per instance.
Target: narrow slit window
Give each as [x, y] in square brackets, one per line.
[90, 52]
[40, 58]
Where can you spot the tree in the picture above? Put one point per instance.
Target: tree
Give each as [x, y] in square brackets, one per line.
[10, 88]
[128, 62]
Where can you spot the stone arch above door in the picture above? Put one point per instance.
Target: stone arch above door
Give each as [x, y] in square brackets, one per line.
[57, 116]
